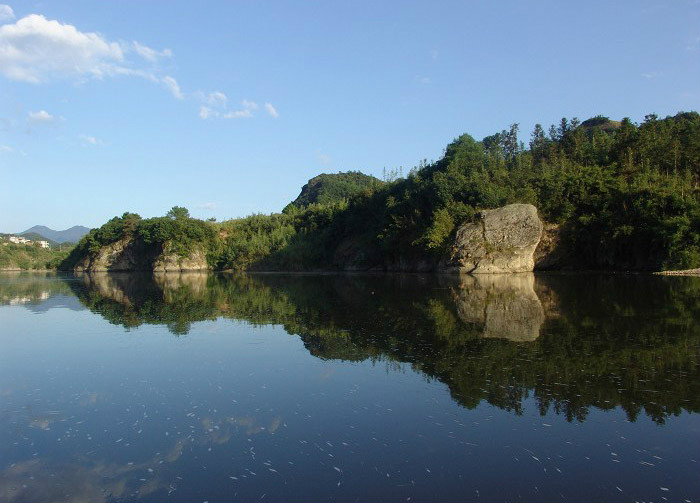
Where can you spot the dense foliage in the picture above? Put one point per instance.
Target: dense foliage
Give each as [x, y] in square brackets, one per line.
[21, 256]
[624, 196]
[331, 188]
[176, 231]
[629, 196]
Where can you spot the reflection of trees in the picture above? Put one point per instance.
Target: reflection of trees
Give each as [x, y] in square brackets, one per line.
[30, 287]
[572, 342]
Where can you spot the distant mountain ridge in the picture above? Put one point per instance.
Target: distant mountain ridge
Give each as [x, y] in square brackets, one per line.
[71, 235]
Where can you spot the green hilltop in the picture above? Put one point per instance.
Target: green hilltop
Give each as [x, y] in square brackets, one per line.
[332, 188]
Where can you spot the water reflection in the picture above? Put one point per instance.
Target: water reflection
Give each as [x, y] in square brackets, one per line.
[506, 306]
[572, 342]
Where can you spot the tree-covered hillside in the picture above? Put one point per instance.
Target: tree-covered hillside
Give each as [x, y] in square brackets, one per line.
[332, 188]
[622, 195]
[24, 257]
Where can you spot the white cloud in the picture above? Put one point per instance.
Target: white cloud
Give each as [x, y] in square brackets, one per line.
[42, 116]
[216, 99]
[173, 87]
[6, 149]
[238, 114]
[150, 54]
[206, 112]
[206, 206]
[271, 110]
[36, 50]
[90, 140]
[245, 113]
[249, 105]
[216, 105]
[6, 13]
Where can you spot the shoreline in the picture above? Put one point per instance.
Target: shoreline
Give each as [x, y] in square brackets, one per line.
[683, 272]
[680, 272]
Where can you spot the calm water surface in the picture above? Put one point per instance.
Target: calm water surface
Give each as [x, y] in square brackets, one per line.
[573, 388]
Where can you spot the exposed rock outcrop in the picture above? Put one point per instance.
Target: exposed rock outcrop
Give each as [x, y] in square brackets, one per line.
[123, 255]
[168, 261]
[133, 255]
[502, 240]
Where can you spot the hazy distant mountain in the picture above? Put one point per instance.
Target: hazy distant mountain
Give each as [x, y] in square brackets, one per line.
[71, 235]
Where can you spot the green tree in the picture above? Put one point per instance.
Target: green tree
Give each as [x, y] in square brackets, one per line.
[178, 213]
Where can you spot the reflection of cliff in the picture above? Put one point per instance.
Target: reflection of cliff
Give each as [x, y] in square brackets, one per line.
[572, 342]
[506, 306]
[130, 299]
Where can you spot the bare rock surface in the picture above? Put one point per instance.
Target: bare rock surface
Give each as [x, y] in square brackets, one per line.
[503, 240]
[132, 255]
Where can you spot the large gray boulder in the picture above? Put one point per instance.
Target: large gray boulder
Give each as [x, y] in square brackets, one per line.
[501, 240]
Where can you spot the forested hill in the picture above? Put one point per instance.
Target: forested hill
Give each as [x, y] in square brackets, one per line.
[620, 196]
[331, 188]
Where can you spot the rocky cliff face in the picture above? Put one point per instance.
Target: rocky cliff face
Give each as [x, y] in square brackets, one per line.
[134, 255]
[169, 261]
[122, 255]
[503, 240]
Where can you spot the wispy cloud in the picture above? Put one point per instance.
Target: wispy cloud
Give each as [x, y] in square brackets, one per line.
[150, 54]
[245, 113]
[6, 149]
[249, 105]
[272, 111]
[90, 140]
[215, 99]
[6, 13]
[238, 114]
[206, 206]
[206, 112]
[216, 105]
[173, 87]
[42, 116]
[651, 75]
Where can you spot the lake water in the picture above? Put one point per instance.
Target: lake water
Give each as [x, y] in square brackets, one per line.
[402, 388]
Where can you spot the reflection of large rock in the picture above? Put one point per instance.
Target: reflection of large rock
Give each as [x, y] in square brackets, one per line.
[107, 286]
[194, 282]
[505, 305]
[503, 240]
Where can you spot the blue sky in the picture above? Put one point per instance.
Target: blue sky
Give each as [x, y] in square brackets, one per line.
[228, 108]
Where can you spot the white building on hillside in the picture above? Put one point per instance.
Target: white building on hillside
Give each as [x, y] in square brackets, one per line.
[43, 244]
[19, 240]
